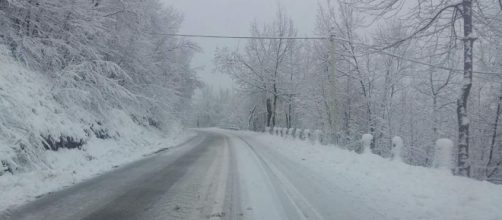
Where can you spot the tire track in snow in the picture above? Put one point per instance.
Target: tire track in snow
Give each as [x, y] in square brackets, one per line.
[329, 198]
[233, 200]
[292, 199]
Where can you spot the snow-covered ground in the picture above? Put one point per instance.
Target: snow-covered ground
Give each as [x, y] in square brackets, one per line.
[69, 167]
[246, 175]
[391, 189]
[33, 108]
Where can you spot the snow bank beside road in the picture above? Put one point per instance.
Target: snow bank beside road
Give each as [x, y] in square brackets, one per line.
[69, 167]
[397, 190]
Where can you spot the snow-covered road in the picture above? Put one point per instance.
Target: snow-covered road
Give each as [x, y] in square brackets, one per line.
[216, 175]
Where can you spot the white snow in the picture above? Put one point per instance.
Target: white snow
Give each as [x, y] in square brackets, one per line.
[366, 140]
[298, 133]
[443, 157]
[68, 167]
[317, 136]
[258, 198]
[392, 188]
[29, 109]
[397, 148]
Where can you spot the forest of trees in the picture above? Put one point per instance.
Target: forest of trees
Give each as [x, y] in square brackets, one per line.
[118, 44]
[104, 59]
[414, 69]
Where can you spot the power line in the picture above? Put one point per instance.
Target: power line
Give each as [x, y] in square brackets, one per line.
[241, 37]
[373, 48]
[427, 64]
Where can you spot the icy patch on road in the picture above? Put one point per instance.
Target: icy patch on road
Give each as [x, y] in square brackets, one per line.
[395, 189]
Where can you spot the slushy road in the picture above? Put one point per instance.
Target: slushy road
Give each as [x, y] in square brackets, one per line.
[215, 175]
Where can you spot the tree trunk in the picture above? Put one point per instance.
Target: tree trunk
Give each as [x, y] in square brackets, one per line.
[463, 165]
[269, 112]
[371, 124]
[435, 122]
[251, 124]
[347, 113]
[289, 115]
[274, 106]
[491, 162]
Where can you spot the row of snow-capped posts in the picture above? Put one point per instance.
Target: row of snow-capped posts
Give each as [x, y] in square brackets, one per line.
[443, 154]
[315, 136]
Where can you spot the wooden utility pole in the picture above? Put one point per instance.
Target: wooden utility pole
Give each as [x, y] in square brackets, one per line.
[330, 101]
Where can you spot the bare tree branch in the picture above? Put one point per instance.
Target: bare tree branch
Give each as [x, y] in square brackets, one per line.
[425, 27]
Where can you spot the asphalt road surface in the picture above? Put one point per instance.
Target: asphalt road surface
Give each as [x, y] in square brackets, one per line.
[216, 175]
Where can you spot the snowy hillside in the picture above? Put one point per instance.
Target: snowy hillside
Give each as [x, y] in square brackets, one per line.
[391, 188]
[29, 112]
[45, 144]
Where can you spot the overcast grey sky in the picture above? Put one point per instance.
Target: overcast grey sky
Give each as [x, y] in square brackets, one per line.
[233, 17]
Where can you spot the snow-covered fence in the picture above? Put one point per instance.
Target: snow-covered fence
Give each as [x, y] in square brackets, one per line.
[283, 132]
[316, 136]
[443, 156]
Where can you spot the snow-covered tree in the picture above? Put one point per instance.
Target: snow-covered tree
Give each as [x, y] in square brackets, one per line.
[262, 69]
[101, 57]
